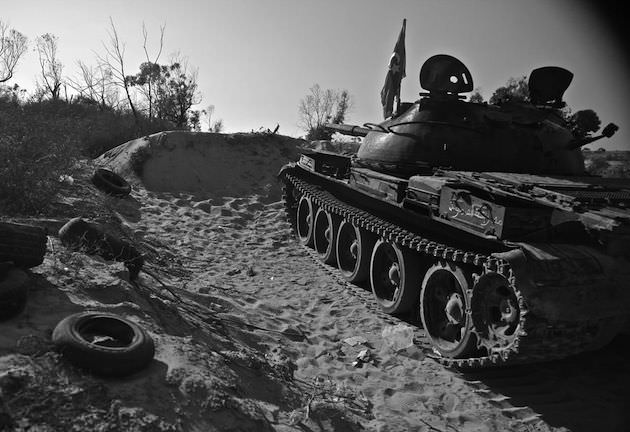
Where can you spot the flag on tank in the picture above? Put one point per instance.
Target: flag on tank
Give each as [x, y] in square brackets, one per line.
[395, 74]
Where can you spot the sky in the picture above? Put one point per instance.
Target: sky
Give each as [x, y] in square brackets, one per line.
[256, 59]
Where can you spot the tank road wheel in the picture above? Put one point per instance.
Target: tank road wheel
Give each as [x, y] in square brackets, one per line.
[305, 218]
[496, 312]
[443, 305]
[325, 231]
[394, 277]
[353, 250]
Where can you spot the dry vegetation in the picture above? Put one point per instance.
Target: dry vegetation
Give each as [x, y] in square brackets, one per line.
[41, 141]
[608, 163]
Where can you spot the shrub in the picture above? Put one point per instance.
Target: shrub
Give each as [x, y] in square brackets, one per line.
[32, 160]
[39, 141]
[138, 159]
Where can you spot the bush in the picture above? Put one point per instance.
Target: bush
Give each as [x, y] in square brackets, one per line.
[138, 159]
[32, 159]
[597, 166]
[40, 141]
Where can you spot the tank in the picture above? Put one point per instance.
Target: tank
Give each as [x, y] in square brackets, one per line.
[477, 222]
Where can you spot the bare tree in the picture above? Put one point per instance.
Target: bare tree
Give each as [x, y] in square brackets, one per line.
[114, 60]
[84, 83]
[210, 112]
[217, 126]
[150, 78]
[50, 66]
[94, 83]
[320, 107]
[13, 45]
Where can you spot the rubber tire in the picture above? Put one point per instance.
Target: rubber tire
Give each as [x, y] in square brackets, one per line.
[111, 183]
[366, 241]
[410, 279]
[99, 359]
[13, 291]
[24, 245]
[78, 234]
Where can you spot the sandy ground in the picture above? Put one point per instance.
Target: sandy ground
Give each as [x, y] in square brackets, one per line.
[251, 333]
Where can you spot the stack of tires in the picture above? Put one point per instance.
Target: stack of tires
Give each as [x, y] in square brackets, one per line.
[21, 247]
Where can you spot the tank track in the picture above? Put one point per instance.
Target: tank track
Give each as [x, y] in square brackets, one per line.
[536, 339]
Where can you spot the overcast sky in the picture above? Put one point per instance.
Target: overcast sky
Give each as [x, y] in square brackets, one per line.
[257, 58]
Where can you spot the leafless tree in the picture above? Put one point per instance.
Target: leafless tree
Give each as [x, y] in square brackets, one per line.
[95, 83]
[320, 107]
[50, 66]
[114, 60]
[217, 126]
[209, 113]
[13, 45]
[85, 81]
[316, 108]
[150, 92]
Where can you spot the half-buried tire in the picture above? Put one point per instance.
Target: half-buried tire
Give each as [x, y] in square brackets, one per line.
[13, 291]
[79, 234]
[103, 343]
[111, 183]
[24, 245]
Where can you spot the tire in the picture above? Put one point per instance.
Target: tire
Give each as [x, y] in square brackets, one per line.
[78, 234]
[123, 349]
[24, 245]
[13, 291]
[110, 183]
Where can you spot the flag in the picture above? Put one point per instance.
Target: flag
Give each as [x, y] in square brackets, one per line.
[395, 74]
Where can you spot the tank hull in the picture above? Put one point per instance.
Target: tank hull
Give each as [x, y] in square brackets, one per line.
[484, 299]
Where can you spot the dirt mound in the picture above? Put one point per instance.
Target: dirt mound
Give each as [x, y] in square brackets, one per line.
[210, 163]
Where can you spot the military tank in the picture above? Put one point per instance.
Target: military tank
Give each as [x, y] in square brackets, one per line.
[478, 220]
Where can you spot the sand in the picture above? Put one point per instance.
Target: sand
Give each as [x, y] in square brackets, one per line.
[251, 332]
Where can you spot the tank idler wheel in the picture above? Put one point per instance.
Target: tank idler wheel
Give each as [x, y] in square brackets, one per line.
[325, 231]
[443, 306]
[353, 249]
[305, 221]
[394, 277]
[496, 312]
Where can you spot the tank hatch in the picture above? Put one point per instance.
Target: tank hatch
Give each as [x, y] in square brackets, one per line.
[443, 73]
[548, 84]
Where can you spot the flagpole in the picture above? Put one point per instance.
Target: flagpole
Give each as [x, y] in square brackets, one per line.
[404, 31]
[390, 93]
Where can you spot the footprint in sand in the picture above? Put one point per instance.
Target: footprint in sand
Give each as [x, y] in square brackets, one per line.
[206, 206]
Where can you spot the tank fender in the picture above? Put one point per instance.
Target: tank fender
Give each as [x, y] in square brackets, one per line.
[569, 282]
[285, 168]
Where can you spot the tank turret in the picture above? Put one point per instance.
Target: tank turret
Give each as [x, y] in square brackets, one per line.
[442, 130]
